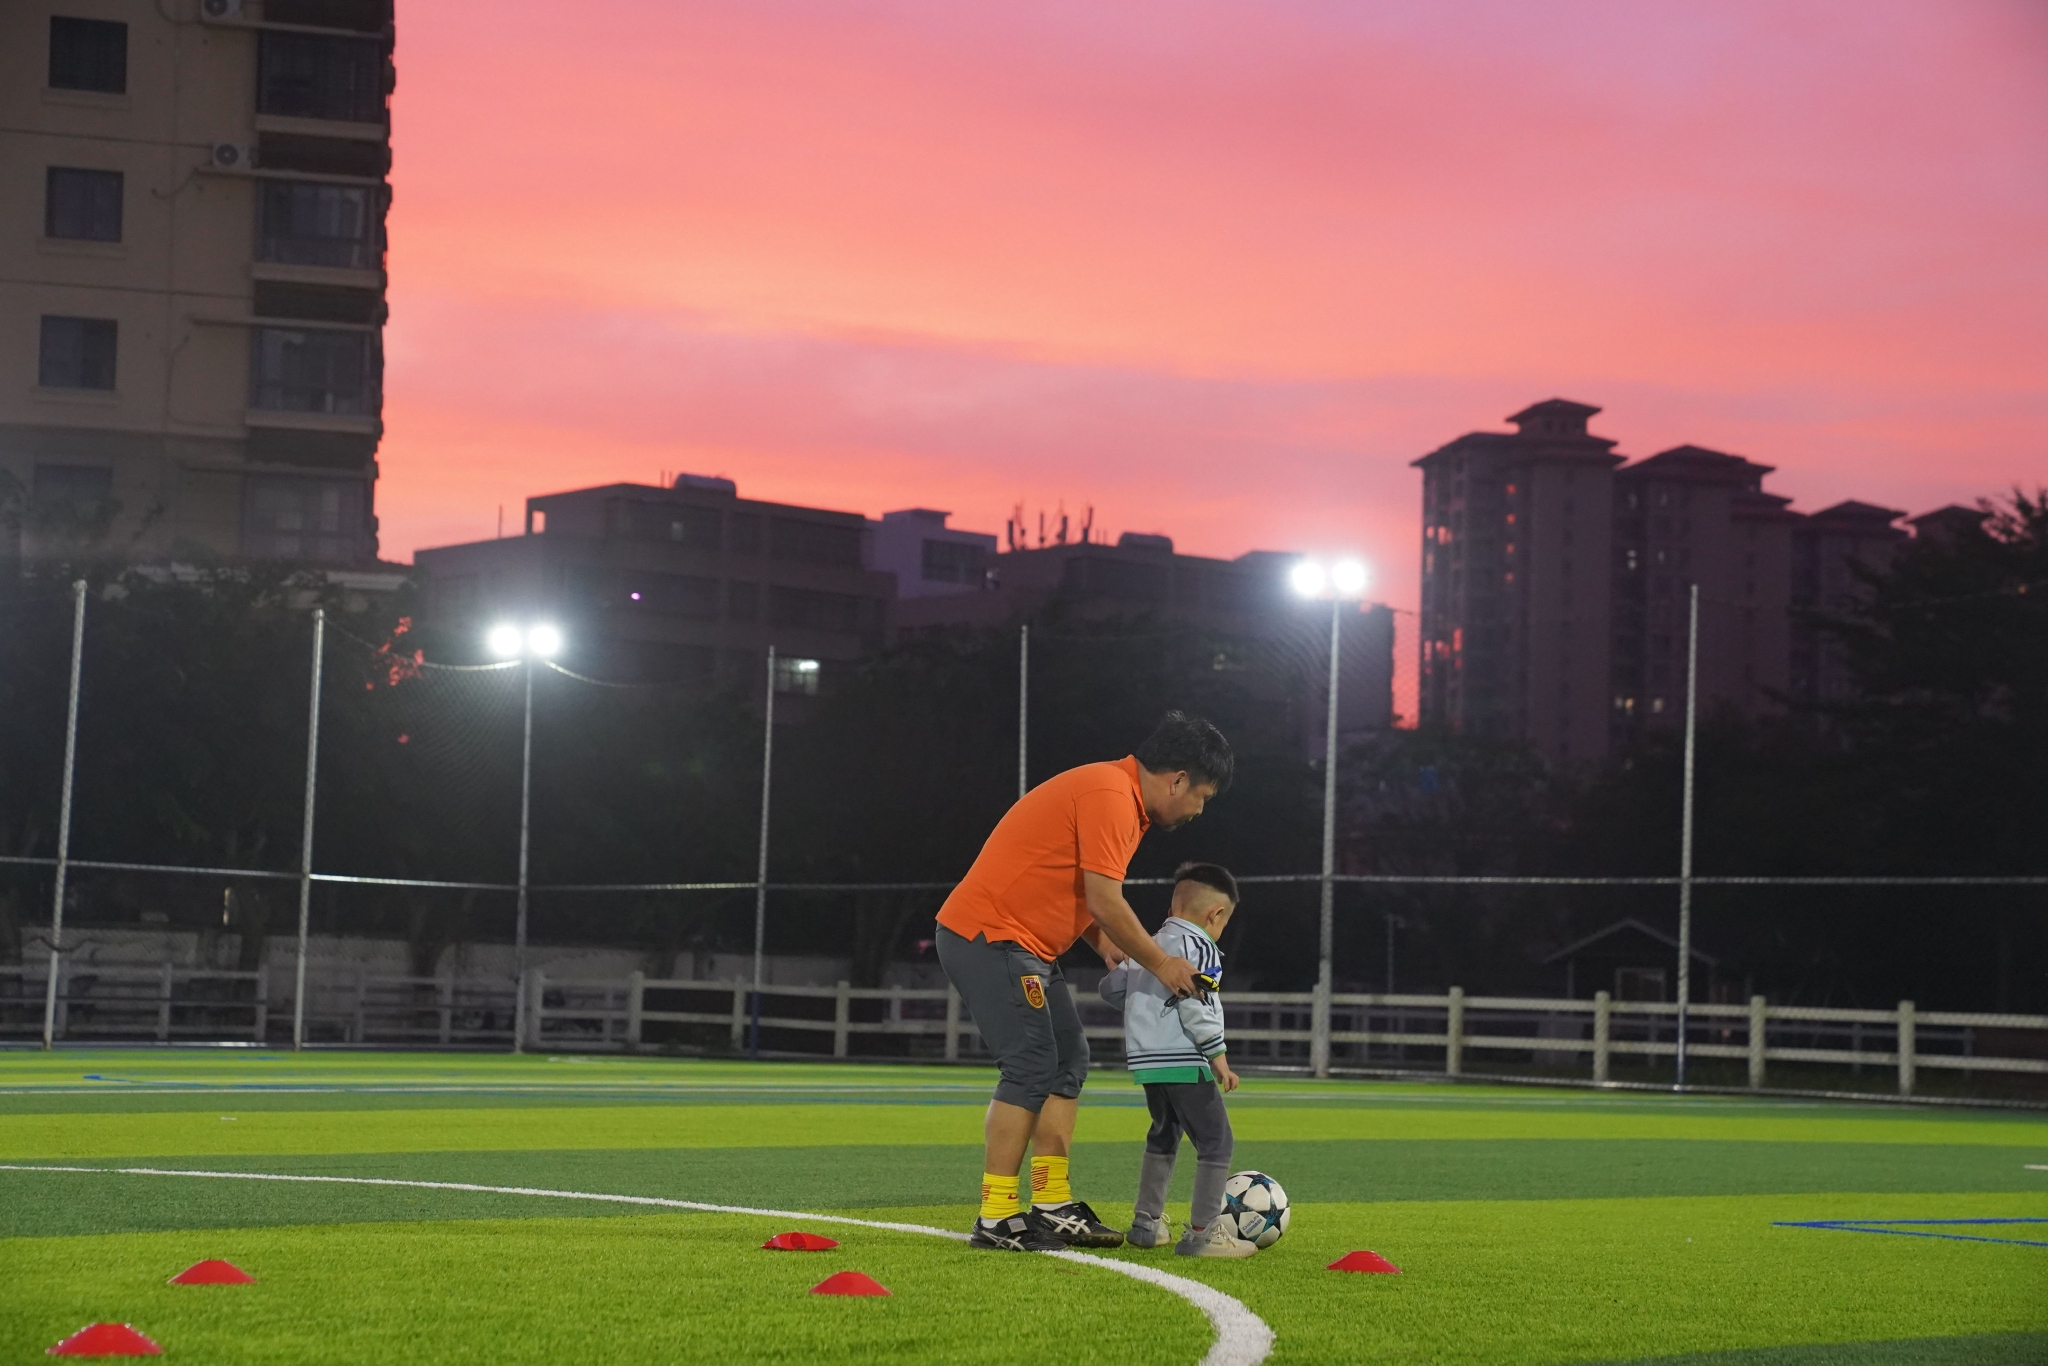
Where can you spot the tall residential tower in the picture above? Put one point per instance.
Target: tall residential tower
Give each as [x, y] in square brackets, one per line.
[192, 298]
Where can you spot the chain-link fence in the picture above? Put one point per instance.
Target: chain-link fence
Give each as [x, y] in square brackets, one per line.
[512, 853]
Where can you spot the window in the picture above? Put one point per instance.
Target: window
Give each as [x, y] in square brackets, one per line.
[82, 206]
[309, 76]
[746, 533]
[302, 224]
[817, 542]
[743, 601]
[88, 54]
[813, 610]
[677, 524]
[953, 562]
[797, 676]
[287, 518]
[294, 371]
[77, 353]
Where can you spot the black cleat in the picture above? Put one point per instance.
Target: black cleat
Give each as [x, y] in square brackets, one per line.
[1018, 1233]
[1075, 1225]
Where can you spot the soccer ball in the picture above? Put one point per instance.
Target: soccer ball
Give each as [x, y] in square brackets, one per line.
[1255, 1208]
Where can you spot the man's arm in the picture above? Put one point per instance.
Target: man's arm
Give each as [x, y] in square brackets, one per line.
[1118, 923]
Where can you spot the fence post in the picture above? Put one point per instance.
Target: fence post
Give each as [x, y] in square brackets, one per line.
[1758, 1042]
[1603, 1029]
[636, 991]
[841, 1008]
[262, 1005]
[1906, 1032]
[1454, 1033]
[445, 991]
[50, 1029]
[534, 1012]
[163, 1005]
[362, 989]
[952, 1024]
[739, 1015]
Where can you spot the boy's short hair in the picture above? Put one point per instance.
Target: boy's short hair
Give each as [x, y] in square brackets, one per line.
[1209, 875]
[1190, 745]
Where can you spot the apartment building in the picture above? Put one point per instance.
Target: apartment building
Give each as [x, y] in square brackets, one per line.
[1517, 531]
[1557, 579]
[192, 276]
[689, 583]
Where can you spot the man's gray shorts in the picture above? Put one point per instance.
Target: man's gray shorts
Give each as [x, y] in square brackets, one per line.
[1040, 1048]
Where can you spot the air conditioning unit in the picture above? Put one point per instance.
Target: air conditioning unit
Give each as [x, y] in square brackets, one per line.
[232, 156]
[220, 11]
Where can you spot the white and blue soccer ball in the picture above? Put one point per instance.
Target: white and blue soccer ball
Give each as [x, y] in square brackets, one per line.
[1255, 1208]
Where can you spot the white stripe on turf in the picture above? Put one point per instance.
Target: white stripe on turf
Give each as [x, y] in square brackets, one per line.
[1242, 1337]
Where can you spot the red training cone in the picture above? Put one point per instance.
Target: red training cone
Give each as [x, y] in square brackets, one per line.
[849, 1283]
[1363, 1261]
[105, 1340]
[800, 1242]
[211, 1272]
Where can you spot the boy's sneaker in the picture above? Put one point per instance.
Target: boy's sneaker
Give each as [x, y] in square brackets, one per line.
[1148, 1232]
[1214, 1241]
[1018, 1233]
[1074, 1225]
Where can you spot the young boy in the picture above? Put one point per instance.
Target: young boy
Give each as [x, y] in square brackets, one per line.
[1174, 1048]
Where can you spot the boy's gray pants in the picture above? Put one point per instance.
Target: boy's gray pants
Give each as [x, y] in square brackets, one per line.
[1196, 1109]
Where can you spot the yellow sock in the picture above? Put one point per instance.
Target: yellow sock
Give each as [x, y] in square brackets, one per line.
[998, 1195]
[1049, 1184]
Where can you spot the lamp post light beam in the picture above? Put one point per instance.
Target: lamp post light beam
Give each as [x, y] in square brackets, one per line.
[1342, 582]
[64, 816]
[306, 833]
[530, 644]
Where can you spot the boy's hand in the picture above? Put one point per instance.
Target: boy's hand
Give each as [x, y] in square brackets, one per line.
[1225, 1078]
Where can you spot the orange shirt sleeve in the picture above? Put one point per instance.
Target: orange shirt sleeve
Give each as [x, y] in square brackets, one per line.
[1108, 828]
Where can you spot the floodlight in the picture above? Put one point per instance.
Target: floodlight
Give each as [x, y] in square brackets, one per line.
[1348, 576]
[505, 640]
[1308, 579]
[544, 640]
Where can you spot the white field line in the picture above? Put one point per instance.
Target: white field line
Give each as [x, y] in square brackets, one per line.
[1242, 1337]
[2037, 1167]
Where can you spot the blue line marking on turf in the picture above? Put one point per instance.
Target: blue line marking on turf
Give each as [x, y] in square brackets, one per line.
[1893, 1226]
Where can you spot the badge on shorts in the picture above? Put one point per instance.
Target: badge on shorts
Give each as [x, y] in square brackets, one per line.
[1034, 991]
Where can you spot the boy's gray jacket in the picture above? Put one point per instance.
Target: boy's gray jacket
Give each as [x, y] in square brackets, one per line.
[1160, 1031]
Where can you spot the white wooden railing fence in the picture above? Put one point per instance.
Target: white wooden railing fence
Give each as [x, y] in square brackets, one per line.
[1452, 1034]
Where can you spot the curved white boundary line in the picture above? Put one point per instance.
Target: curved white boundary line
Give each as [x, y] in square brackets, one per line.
[1242, 1337]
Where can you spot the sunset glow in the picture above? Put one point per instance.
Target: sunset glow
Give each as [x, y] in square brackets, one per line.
[1216, 270]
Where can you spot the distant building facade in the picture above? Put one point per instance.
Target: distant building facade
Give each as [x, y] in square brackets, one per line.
[192, 304]
[1557, 578]
[1247, 599]
[929, 558]
[685, 583]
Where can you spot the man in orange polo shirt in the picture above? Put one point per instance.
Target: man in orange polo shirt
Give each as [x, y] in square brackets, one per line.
[1052, 872]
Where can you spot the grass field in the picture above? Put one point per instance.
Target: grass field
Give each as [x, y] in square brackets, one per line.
[1530, 1225]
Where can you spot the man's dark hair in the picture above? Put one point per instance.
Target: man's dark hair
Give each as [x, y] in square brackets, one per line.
[1209, 875]
[1190, 745]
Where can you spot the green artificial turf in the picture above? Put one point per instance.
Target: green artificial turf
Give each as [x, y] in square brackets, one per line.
[1531, 1226]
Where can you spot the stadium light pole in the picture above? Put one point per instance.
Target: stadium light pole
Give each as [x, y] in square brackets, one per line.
[306, 834]
[1023, 704]
[761, 866]
[1692, 692]
[64, 815]
[531, 645]
[1341, 583]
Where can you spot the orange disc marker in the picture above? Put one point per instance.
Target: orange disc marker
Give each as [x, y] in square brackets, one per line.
[212, 1272]
[849, 1283]
[105, 1340]
[1363, 1261]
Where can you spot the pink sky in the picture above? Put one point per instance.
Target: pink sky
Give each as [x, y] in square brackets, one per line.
[1217, 270]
